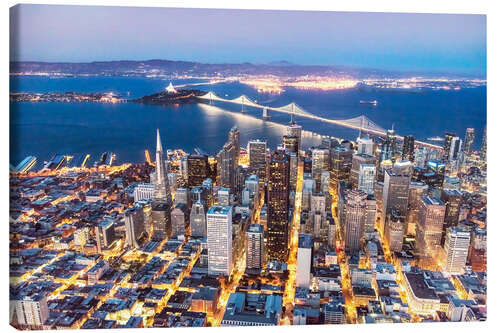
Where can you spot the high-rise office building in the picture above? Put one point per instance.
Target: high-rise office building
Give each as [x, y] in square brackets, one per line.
[179, 219]
[226, 166]
[395, 195]
[365, 145]
[197, 170]
[341, 162]
[294, 130]
[234, 139]
[478, 249]
[420, 157]
[320, 163]
[162, 189]
[394, 231]
[371, 214]
[277, 207]
[484, 145]
[197, 220]
[134, 226]
[144, 191]
[469, 140]
[355, 216]
[383, 166]
[220, 240]
[257, 157]
[366, 180]
[357, 161]
[448, 137]
[294, 164]
[429, 227]
[181, 195]
[417, 190]
[255, 247]
[105, 234]
[452, 200]
[409, 148]
[455, 148]
[456, 248]
[291, 143]
[388, 151]
[304, 261]
[160, 219]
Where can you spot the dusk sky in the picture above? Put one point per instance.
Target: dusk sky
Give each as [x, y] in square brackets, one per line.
[422, 42]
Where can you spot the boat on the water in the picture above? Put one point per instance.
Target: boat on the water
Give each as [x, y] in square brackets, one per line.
[374, 102]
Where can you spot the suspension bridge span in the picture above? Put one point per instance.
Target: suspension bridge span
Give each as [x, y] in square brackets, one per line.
[361, 123]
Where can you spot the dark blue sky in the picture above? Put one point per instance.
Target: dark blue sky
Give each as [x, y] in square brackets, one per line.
[422, 42]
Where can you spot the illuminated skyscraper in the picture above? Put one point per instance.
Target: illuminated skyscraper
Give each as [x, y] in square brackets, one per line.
[220, 240]
[255, 247]
[389, 146]
[320, 163]
[179, 218]
[277, 207]
[234, 139]
[394, 230]
[304, 261]
[197, 220]
[357, 161]
[134, 226]
[469, 140]
[455, 148]
[409, 148]
[355, 216]
[452, 200]
[160, 220]
[456, 248]
[198, 170]
[395, 194]
[257, 156]
[291, 143]
[105, 234]
[365, 145]
[341, 161]
[429, 228]
[226, 166]
[483, 145]
[366, 178]
[162, 189]
[294, 130]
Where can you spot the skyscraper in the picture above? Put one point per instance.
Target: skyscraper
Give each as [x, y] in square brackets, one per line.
[455, 148]
[395, 195]
[366, 180]
[162, 189]
[341, 166]
[220, 240]
[483, 145]
[226, 166]
[234, 139]
[395, 231]
[429, 228]
[357, 161]
[134, 226]
[160, 218]
[409, 148]
[255, 247]
[105, 234]
[389, 146]
[365, 145]
[179, 218]
[320, 163]
[197, 169]
[452, 200]
[304, 261]
[277, 207]
[291, 143]
[447, 145]
[469, 140]
[294, 130]
[355, 216]
[257, 156]
[456, 248]
[197, 220]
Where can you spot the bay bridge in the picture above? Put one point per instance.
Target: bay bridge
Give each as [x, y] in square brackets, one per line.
[361, 123]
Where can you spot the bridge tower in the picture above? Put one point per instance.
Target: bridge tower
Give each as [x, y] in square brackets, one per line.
[211, 99]
[243, 110]
[265, 114]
